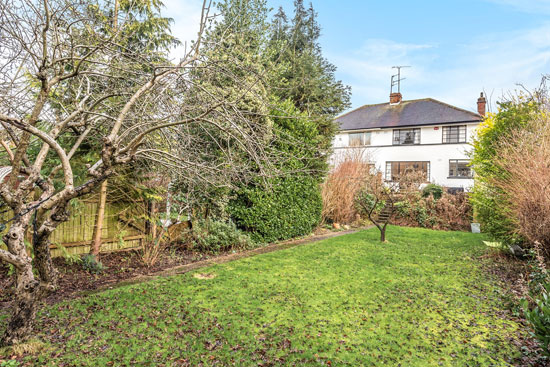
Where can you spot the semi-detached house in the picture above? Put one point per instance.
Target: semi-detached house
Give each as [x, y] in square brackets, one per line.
[423, 134]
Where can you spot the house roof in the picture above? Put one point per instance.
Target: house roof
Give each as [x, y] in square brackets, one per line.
[418, 112]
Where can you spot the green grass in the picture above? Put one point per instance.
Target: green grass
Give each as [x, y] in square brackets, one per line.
[419, 300]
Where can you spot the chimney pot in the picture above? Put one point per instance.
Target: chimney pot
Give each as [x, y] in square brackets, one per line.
[481, 104]
[395, 98]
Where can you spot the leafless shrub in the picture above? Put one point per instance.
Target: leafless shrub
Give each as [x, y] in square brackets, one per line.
[453, 212]
[525, 157]
[152, 248]
[343, 183]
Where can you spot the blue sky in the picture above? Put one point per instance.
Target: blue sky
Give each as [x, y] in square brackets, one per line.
[457, 48]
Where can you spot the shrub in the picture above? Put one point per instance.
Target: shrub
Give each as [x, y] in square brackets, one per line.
[403, 209]
[450, 212]
[491, 207]
[434, 190]
[342, 185]
[91, 264]
[538, 316]
[289, 204]
[216, 236]
[289, 207]
[525, 158]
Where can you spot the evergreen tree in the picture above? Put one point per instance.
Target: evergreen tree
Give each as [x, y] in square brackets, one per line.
[307, 78]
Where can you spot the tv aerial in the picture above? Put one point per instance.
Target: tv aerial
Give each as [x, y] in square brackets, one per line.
[396, 79]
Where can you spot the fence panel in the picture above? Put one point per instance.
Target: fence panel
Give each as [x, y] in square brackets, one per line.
[120, 228]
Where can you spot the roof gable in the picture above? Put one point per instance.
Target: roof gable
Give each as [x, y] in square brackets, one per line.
[417, 112]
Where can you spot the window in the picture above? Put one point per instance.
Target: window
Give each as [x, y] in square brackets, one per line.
[454, 134]
[359, 139]
[460, 168]
[406, 136]
[396, 169]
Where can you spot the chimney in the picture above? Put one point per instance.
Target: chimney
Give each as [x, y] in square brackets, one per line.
[395, 98]
[481, 104]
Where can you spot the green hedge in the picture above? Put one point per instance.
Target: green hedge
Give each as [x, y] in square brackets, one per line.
[288, 207]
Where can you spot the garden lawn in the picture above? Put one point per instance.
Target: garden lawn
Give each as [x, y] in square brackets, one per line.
[419, 300]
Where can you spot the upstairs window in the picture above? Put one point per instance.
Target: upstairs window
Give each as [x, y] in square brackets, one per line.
[454, 134]
[359, 139]
[460, 168]
[406, 136]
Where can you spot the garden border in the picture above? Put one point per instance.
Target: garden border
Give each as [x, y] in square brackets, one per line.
[182, 269]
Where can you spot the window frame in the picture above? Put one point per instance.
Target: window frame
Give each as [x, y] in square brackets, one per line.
[390, 165]
[364, 139]
[416, 138]
[461, 134]
[455, 162]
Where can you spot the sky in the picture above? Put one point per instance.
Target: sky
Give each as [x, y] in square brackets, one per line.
[456, 48]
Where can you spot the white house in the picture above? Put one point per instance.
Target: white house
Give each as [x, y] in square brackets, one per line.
[423, 134]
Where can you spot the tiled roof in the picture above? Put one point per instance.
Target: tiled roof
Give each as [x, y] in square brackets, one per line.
[417, 112]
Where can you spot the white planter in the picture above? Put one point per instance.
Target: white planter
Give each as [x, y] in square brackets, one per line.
[475, 228]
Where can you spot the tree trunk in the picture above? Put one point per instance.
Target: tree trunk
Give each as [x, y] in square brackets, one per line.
[27, 297]
[28, 290]
[383, 234]
[100, 215]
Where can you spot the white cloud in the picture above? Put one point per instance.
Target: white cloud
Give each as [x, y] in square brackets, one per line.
[453, 73]
[381, 48]
[186, 15]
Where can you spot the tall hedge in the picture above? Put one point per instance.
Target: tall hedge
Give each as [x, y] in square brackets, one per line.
[288, 207]
[490, 210]
[290, 204]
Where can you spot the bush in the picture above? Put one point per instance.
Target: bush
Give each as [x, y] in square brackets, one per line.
[491, 207]
[539, 319]
[525, 156]
[290, 207]
[216, 236]
[342, 185]
[434, 190]
[91, 264]
[450, 212]
[289, 204]
[403, 209]
[538, 315]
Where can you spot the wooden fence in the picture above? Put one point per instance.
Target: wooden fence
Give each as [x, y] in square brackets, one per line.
[120, 229]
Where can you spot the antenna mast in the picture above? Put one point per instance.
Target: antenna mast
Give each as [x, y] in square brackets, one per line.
[396, 79]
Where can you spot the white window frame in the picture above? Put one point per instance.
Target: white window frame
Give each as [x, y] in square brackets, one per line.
[364, 137]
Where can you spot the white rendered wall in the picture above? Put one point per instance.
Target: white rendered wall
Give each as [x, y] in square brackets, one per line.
[430, 149]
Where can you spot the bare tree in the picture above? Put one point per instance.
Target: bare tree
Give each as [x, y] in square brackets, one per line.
[378, 198]
[67, 84]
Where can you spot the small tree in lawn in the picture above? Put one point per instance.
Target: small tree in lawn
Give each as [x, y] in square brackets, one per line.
[377, 199]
